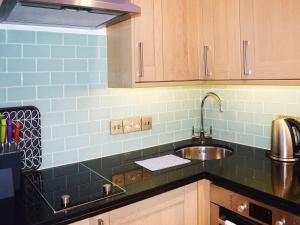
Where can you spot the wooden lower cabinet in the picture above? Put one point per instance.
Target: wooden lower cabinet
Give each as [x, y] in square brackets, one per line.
[204, 202]
[176, 207]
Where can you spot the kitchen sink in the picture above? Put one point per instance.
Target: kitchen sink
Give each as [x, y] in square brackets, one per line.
[206, 152]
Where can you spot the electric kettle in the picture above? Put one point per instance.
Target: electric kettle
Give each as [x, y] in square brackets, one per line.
[285, 140]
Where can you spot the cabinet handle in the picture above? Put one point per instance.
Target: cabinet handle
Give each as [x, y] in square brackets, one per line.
[206, 70]
[246, 70]
[100, 222]
[141, 59]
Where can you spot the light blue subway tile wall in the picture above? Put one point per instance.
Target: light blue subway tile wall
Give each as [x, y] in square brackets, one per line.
[78, 65]
[22, 37]
[2, 36]
[249, 111]
[75, 39]
[63, 51]
[2, 94]
[10, 50]
[21, 65]
[63, 104]
[10, 79]
[88, 77]
[49, 38]
[38, 51]
[49, 65]
[21, 93]
[36, 78]
[2, 65]
[65, 76]
[97, 40]
[50, 91]
[88, 52]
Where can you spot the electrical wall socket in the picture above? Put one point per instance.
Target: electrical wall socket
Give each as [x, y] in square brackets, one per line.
[146, 122]
[132, 124]
[116, 127]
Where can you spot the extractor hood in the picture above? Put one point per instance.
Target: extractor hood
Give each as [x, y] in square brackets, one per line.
[91, 14]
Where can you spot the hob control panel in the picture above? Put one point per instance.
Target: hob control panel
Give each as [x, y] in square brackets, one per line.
[251, 209]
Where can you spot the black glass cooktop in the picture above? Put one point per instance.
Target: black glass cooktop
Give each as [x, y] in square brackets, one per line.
[66, 187]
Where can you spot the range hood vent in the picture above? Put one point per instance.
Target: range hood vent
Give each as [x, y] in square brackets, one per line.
[90, 14]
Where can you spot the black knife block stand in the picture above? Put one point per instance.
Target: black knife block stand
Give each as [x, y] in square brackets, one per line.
[24, 157]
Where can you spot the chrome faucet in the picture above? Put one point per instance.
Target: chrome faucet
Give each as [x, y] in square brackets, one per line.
[219, 102]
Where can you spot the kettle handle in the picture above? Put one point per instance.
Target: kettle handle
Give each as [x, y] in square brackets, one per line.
[292, 125]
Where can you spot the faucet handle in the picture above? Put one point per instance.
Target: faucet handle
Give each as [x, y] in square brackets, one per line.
[195, 134]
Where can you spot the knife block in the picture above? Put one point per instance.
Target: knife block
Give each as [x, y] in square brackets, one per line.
[10, 174]
[30, 143]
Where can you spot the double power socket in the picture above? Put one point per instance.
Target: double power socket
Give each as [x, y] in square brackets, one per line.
[132, 124]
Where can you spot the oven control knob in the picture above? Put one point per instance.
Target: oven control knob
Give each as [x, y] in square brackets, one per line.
[280, 222]
[107, 189]
[65, 200]
[242, 208]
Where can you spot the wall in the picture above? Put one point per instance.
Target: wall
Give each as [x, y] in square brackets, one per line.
[249, 111]
[65, 76]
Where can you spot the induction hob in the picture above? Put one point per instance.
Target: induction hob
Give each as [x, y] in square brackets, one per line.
[67, 187]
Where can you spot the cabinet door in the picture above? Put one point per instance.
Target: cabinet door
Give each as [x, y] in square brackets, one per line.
[273, 30]
[204, 202]
[180, 25]
[177, 207]
[148, 41]
[220, 29]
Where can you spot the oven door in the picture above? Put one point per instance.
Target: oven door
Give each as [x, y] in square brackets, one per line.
[222, 216]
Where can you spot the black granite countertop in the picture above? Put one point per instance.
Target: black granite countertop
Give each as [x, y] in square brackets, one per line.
[248, 171]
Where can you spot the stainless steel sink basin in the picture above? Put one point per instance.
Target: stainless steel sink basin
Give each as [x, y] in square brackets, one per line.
[203, 152]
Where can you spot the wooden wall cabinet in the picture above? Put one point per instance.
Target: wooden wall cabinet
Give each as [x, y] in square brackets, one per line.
[179, 42]
[134, 48]
[159, 45]
[251, 40]
[273, 30]
[220, 45]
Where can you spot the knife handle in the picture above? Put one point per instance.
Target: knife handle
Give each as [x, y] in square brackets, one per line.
[9, 131]
[3, 131]
[17, 132]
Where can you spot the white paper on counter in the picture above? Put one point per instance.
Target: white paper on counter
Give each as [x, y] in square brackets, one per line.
[227, 222]
[162, 162]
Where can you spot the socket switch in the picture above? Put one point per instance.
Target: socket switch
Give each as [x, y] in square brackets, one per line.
[116, 127]
[132, 124]
[146, 122]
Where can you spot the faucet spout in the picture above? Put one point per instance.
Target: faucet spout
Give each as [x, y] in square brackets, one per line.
[219, 103]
